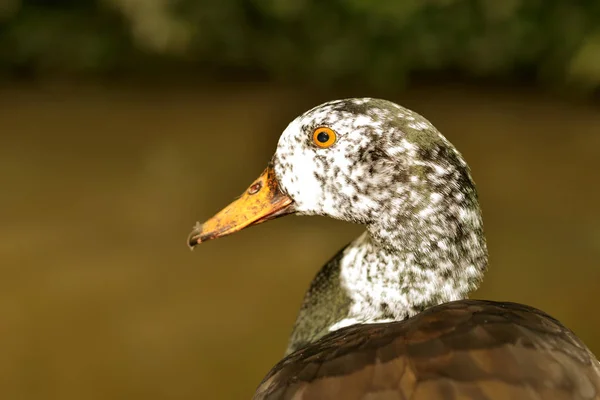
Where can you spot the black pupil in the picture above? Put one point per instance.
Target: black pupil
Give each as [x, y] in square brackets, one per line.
[323, 137]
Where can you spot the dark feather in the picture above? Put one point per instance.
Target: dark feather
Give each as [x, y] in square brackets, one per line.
[468, 349]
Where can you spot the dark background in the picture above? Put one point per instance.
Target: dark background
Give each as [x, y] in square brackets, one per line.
[122, 122]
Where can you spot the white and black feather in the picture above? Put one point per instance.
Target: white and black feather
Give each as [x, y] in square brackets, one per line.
[391, 170]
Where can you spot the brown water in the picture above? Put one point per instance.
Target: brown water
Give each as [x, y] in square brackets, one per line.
[100, 298]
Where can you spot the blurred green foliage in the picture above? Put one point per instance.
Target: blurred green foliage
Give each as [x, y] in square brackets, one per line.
[378, 42]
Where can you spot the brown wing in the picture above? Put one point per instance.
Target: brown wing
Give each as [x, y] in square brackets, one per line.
[468, 349]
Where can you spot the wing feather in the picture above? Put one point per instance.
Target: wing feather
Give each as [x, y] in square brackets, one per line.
[468, 349]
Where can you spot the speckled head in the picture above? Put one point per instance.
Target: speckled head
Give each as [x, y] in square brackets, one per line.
[386, 158]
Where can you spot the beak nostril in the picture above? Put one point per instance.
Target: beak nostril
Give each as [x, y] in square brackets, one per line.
[255, 188]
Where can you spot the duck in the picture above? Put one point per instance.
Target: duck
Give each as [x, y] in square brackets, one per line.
[389, 316]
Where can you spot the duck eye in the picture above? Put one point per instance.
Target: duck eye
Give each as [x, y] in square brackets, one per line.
[324, 137]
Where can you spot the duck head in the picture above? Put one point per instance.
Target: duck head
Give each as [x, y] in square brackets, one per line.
[372, 162]
[366, 161]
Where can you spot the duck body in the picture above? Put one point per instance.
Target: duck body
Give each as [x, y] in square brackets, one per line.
[466, 349]
[388, 316]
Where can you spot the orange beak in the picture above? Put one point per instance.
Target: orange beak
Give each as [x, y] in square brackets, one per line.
[263, 201]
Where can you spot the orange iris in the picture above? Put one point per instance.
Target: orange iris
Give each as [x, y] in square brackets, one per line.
[324, 137]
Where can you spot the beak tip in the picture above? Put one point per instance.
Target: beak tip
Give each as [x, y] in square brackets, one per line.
[194, 238]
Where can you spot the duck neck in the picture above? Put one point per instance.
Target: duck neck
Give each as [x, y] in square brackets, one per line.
[403, 264]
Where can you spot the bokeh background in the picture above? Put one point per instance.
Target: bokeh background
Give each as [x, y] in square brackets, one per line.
[122, 122]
